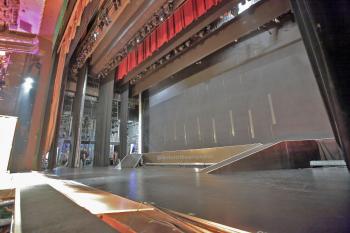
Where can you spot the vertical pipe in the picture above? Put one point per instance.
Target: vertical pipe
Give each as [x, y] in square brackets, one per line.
[124, 115]
[104, 121]
[140, 125]
[78, 110]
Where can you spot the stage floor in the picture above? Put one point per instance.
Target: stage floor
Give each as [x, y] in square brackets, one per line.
[302, 200]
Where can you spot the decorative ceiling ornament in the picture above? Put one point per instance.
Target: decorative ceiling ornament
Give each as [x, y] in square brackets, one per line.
[116, 3]
[4, 62]
[73, 24]
[9, 12]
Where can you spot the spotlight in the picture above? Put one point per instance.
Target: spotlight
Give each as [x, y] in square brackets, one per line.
[161, 16]
[29, 80]
[201, 34]
[28, 84]
[95, 35]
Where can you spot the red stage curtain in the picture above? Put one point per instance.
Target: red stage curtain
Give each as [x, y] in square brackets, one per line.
[209, 4]
[162, 34]
[178, 20]
[153, 41]
[140, 53]
[200, 7]
[188, 12]
[132, 62]
[171, 27]
[122, 70]
[181, 18]
[147, 45]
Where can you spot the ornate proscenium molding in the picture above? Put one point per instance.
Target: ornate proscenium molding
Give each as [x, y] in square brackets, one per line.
[4, 62]
[161, 15]
[105, 17]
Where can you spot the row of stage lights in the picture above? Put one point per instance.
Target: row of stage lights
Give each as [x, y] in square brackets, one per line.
[227, 17]
[159, 17]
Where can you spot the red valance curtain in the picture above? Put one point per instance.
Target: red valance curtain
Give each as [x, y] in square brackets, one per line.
[140, 53]
[154, 41]
[178, 20]
[200, 7]
[132, 60]
[122, 69]
[189, 12]
[171, 27]
[162, 34]
[181, 18]
[147, 43]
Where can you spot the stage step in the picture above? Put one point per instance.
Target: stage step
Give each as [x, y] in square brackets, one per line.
[290, 154]
[202, 156]
[131, 161]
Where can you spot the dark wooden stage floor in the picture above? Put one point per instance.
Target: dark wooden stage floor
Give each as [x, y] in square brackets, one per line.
[302, 200]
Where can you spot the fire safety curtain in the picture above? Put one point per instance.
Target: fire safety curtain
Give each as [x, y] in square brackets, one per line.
[189, 11]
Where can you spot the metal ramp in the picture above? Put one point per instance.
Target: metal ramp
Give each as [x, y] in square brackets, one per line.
[131, 161]
[290, 154]
[258, 147]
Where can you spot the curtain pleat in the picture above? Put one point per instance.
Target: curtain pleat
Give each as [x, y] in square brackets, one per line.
[154, 41]
[162, 34]
[171, 27]
[200, 7]
[132, 60]
[178, 20]
[210, 3]
[140, 53]
[147, 44]
[189, 12]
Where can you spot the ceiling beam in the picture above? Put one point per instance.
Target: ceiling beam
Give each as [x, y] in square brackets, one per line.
[131, 21]
[183, 36]
[245, 24]
[13, 41]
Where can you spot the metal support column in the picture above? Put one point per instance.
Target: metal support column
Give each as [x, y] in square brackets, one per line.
[103, 122]
[77, 114]
[325, 29]
[145, 122]
[140, 125]
[124, 116]
[53, 150]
